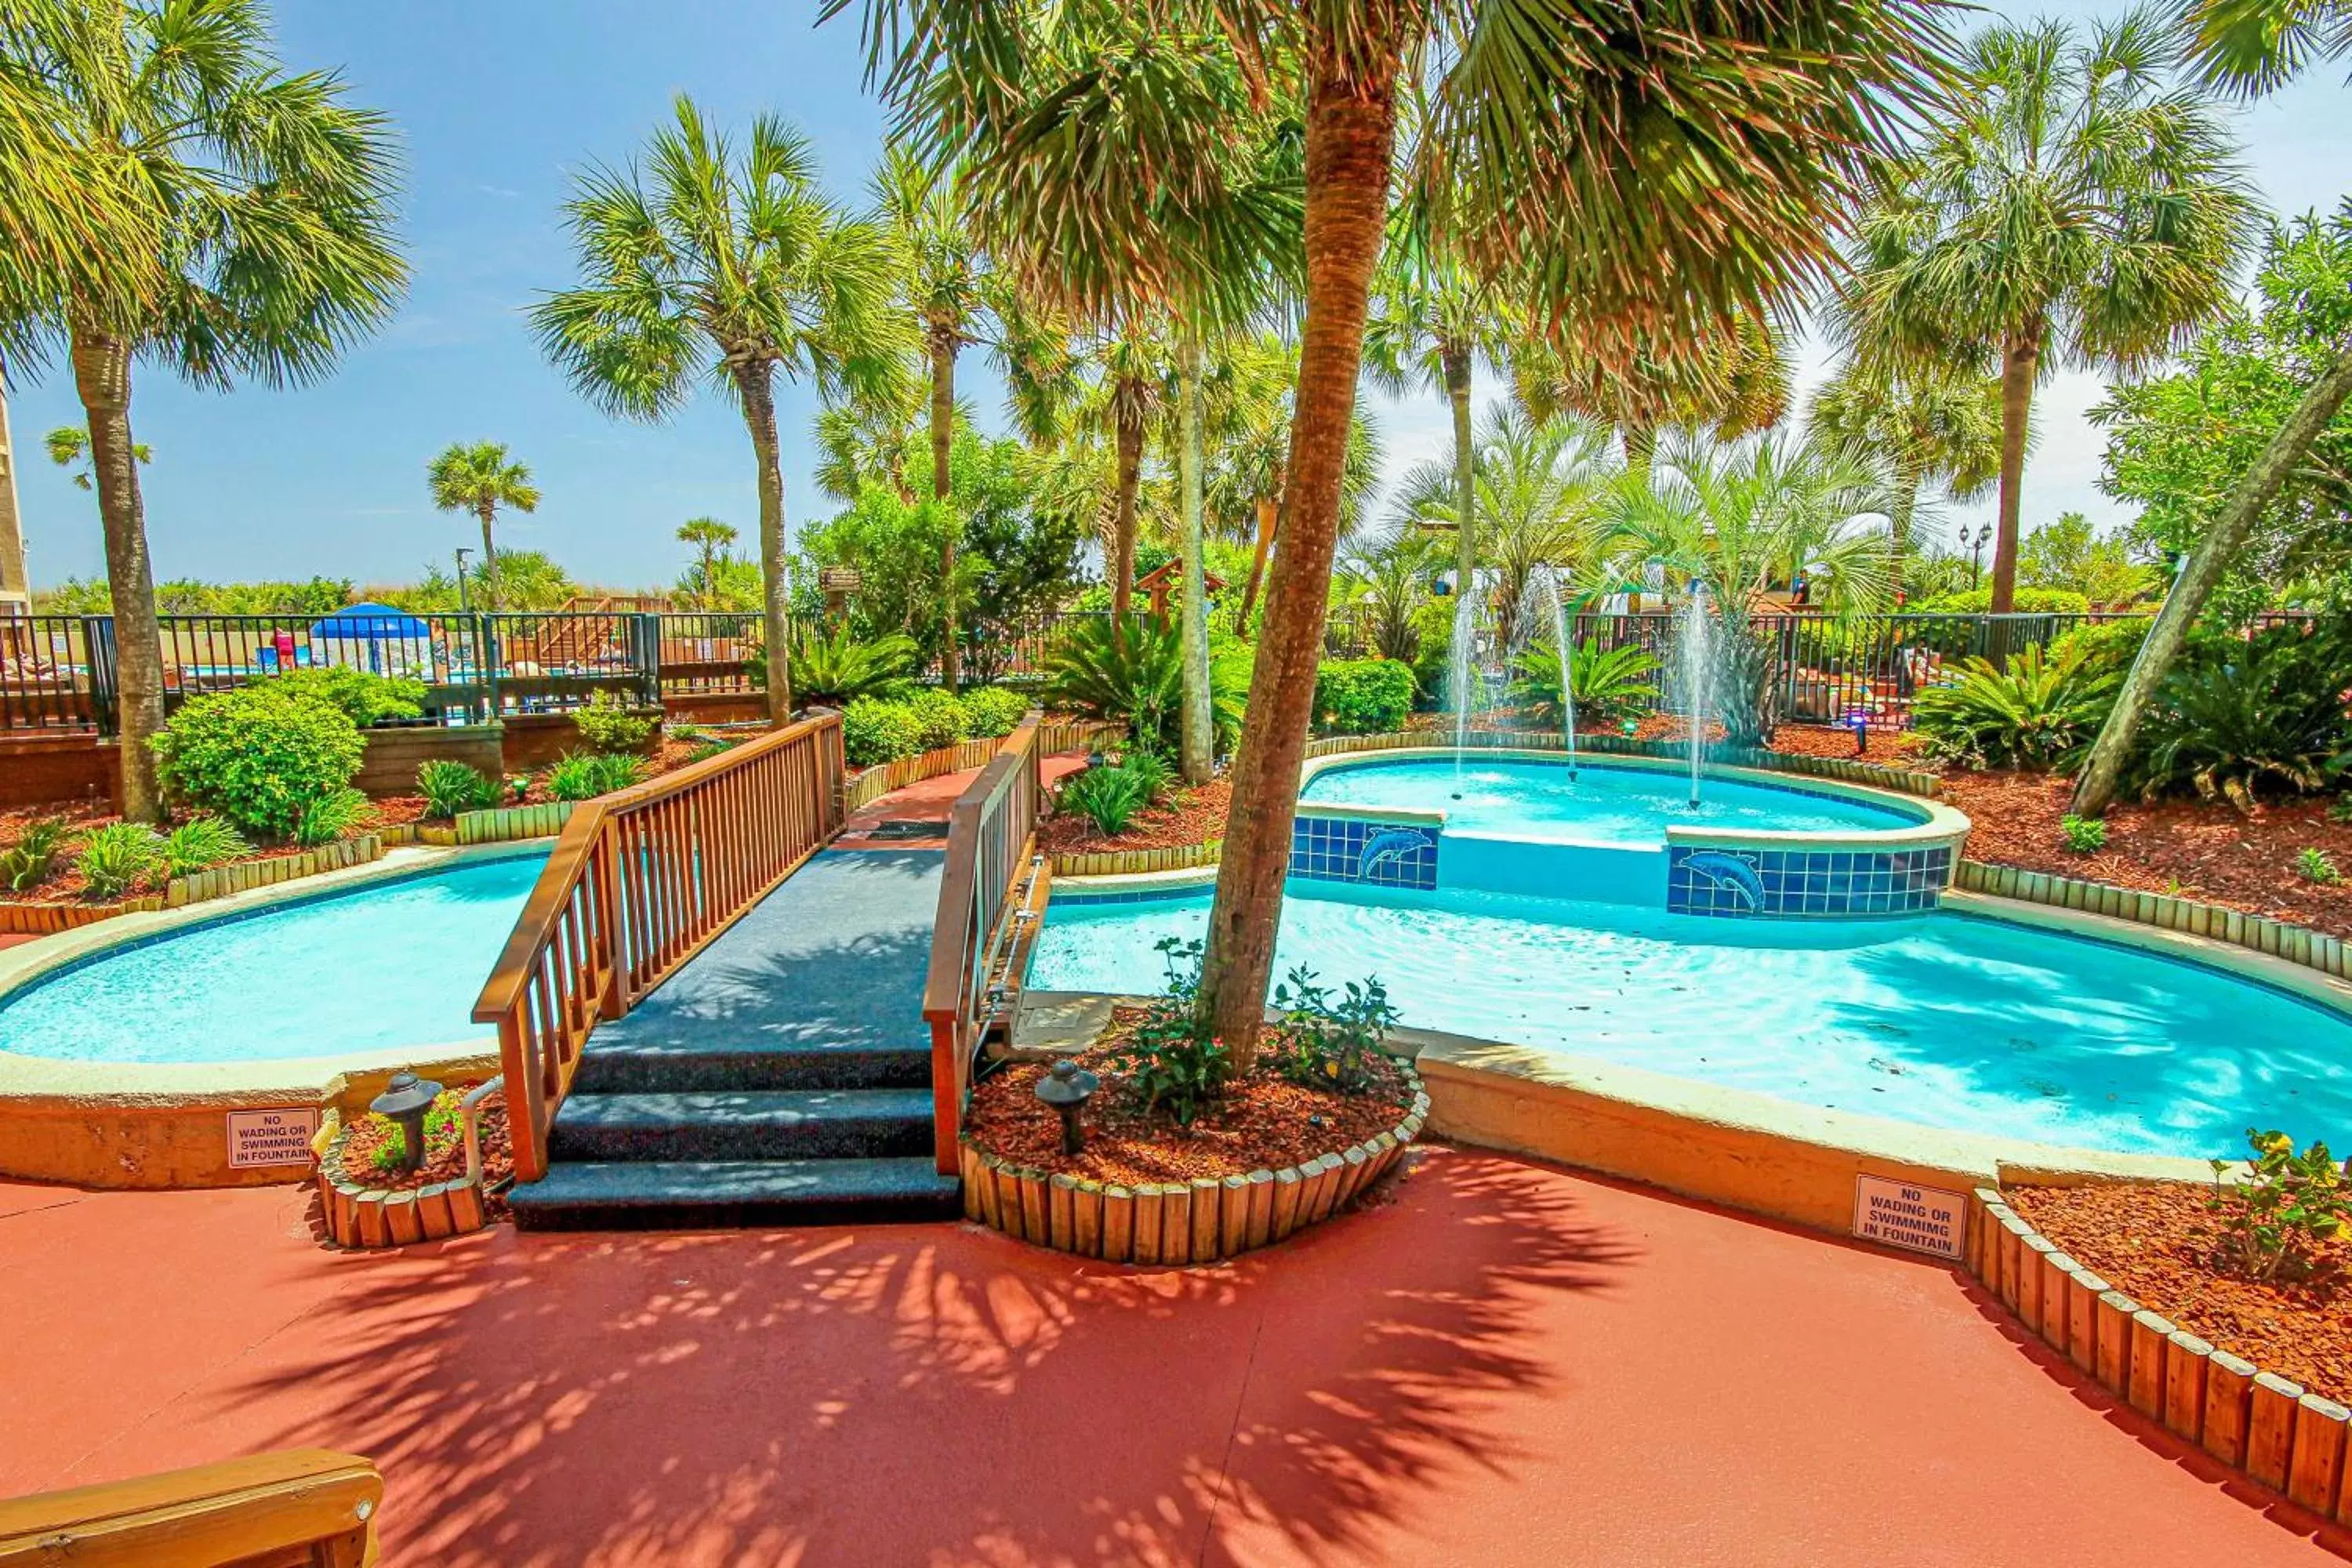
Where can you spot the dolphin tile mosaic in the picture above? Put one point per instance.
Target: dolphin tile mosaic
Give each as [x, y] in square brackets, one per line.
[1353, 849]
[1802, 883]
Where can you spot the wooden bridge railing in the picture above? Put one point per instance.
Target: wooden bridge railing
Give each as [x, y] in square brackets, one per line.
[641, 881]
[992, 839]
[298, 1508]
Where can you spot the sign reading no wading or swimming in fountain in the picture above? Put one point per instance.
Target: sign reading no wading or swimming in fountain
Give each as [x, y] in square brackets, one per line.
[1922, 1219]
[271, 1137]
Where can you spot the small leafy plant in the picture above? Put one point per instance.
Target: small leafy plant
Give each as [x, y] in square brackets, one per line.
[116, 857]
[29, 862]
[1328, 1044]
[1108, 797]
[450, 787]
[2084, 835]
[332, 816]
[2037, 713]
[583, 775]
[2340, 809]
[199, 844]
[1151, 772]
[1168, 1061]
[2287, 1204]
[2316, 865]
[608, 724]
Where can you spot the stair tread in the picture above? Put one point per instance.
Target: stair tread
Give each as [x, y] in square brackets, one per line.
[777, 1106]
[718, 1182]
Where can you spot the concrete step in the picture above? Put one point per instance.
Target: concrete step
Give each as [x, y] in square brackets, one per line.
[708, 1062]
[712, 1194]
[755, 1125]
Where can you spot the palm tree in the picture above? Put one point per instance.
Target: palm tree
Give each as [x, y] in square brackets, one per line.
[250, 212]
[711, 540]
[731, 261]
[1611, 181]
[2247, 47]
[1727, 379]
[2075, 209]
[68, 445]
[1930, 426]
[479, 478]
[1386, 577]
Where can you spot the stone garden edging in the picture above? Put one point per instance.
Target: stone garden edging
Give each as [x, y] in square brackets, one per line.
[2256, 1422]
[1206, 1220]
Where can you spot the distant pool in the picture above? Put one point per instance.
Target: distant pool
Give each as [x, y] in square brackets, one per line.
[380, 967]
[1944, 1019]
[1602, 803]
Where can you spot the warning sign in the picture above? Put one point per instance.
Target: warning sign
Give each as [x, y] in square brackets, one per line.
[271, 1137]
[1925, 1219]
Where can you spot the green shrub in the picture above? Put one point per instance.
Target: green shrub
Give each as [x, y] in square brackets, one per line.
[332, 816]
[873, 731]
[2340, 809]
[118, 857]
[1433, 627]
[1169, 1062]
[1108, 797]
[1978, 601]
[450, 787]
[1611, 683]
[2037, 713]
[2267, 710]
[1362, 696]
[1328, 1043]
[261, 756]
[838, 668]
[200, 844]
[939, 719]
[29, 862]
[1140, 681]
[989, 712]
[584, 776]
[608, 724]
[2084, 835]
[1153, 774]
[2287, 1205]
[2316, 865]
[367, 698]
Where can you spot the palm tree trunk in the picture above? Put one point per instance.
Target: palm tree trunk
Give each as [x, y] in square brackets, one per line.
[15, 582]
[756, 381]
[1641, 455]
[2021, 366]
[101, 366]
[2097, 788]
[1269, 512]
[1351, 137]
[1457, 366]
[943, 357]
[490, 582]
[1127, 414]
[1198, 737]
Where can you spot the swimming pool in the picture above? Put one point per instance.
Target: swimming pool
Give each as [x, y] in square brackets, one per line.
[385, 966]
[1945, 1020]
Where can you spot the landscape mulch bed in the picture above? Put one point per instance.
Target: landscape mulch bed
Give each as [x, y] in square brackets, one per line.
[2154, 1241]
[65, 884]
[668, 757]
[1188, 816]
[1264, 1123]
[445, 1151]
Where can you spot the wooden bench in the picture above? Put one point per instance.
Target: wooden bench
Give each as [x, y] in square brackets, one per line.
[299, 1507]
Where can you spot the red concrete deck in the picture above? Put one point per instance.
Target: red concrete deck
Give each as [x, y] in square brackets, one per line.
[1506, 1365]
[930, 801]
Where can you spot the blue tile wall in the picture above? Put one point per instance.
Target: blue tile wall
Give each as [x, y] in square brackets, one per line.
[1804, 883]
[1136, 896]
[1380, 854]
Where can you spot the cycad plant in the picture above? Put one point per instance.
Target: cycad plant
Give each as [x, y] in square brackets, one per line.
[2036, 712]
[837, 668]
[2247, 714]
[1610, 683]
[726, 259]
[244, 213]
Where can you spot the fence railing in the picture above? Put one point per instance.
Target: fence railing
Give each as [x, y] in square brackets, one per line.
[45, 681]
[708, 653]
[991, 839]
[638, 883]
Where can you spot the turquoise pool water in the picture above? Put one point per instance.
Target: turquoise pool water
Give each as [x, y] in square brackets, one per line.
[1603, 803]
[1943, 1019]
[382, 967]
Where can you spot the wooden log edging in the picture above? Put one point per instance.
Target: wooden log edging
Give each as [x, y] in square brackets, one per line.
[360, 1215]
[1130, 862]
[196, 887]
[1902, 781]
[2296, 944]
[1206, 1220]
[505, 824]
[2279, 1433]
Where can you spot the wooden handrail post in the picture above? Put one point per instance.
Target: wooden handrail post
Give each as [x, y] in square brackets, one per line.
[612, 999]
[302, 1505]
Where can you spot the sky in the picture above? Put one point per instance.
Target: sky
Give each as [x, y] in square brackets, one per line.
[499, 107]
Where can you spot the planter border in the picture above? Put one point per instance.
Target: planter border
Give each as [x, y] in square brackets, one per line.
[1135, 862]
[2267, 1426]
[2296, 944]
[505, 824]
[196, 887]
[358, 1216]
[1206, 1220]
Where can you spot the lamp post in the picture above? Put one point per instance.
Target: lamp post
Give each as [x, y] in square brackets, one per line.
[1975, 544]
[463, 607]
[1067, 1087]
[404, 1100]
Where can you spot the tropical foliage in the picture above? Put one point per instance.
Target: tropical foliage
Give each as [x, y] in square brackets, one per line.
[836, 668]
[1362, 696]
[1609, 683]
[2037, 712]
[263, 758]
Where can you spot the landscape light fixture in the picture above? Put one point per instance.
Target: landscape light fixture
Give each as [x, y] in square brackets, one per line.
[404, 1101]
[1067, 1087]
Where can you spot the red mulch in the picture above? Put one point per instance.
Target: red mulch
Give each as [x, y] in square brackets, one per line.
[1264, 1123]
[445, 1151]
[65, 883]
[668, 757]
[1187, 816]
[2154, 1242]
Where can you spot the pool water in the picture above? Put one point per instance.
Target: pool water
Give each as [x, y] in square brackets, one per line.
[1603, 803]
[380, 967]
[1944, 1019]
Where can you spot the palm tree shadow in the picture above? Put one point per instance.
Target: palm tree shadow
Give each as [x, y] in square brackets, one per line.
[936, 1393]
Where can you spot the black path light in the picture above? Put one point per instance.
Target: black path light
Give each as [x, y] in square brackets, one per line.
[404, 1100]
[1067, 1087]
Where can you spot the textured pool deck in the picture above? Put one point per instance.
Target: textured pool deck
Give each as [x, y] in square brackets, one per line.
[1503, 1364]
